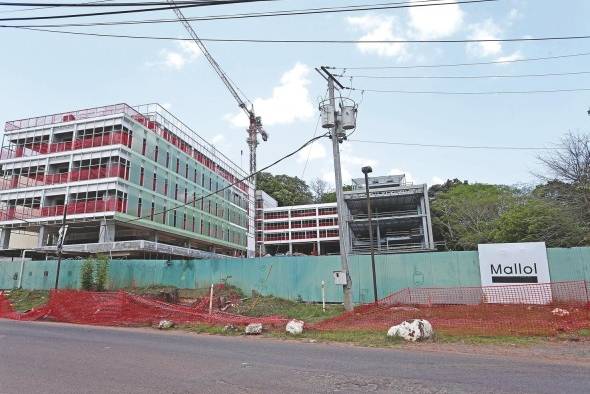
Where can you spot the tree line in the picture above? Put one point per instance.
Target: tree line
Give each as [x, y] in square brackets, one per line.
[556, 210]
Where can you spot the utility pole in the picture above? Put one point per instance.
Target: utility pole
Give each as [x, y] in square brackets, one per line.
[367, 170]
[60, 242]
[342, 225]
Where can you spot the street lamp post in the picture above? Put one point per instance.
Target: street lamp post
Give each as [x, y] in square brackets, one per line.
[367, 170]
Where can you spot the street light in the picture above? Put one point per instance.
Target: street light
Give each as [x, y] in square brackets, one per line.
[367, 170]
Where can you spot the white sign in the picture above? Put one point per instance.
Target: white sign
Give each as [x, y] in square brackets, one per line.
[514, 264]
[340, 278]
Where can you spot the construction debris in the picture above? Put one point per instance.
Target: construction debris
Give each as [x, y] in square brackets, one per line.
[165, 324]
[295, 327]
[253, 329]
[560, 312]
[412, 330]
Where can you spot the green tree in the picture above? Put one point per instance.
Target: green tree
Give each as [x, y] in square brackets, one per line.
[102, 273]
[331, 196]
[465, 215]
[287, 190]
[536, 220]
[87, 275]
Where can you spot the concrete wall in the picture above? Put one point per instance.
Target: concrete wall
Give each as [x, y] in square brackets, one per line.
[291, 277]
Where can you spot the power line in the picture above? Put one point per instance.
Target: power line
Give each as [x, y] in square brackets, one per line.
[87, 4]
[287, 41]
[204, 3]
[464, 76]
[43, 8]
[212, 193]
[532, 59]
[293, 12]
[439, 92]
[487, 147]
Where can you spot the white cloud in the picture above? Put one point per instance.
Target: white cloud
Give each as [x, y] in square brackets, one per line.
[487, 30]
[435, 22]
[217, 139]
[177, 59]
[436, 181]
[409, 177]
[514, 14]
[516, 55]
[378, 28]
[290, 101]
[351, 165]
[314, 151]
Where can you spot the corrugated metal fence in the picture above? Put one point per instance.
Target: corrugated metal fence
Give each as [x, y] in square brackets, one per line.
[294, 277]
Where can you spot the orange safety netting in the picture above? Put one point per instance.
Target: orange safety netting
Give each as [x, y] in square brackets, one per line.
[532, 309]
[124, 309]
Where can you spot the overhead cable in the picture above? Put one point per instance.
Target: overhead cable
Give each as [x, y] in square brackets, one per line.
[474, 93]
[292, 12]
[461, 76]
[204, 3]
[487, 147]
[288, 41]
[212, 193]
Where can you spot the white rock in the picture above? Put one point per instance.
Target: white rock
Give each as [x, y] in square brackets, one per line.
[165, 324]
[560, 312]
[254, 329]
[295, 327]
[412, 330]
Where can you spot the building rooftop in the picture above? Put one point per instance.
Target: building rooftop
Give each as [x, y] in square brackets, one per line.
[152, 116]
[380, 181]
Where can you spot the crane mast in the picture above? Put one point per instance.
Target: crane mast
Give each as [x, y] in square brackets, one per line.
[255, 122]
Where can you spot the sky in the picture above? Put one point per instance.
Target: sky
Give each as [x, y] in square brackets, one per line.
[44, 73]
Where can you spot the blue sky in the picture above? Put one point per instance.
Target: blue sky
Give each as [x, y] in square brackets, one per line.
[42, 73]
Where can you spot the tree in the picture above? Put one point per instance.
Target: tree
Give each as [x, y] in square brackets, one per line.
[102, 273]
[287, 190]
[319, 188]
[331, 196]
[536, 220]
[465, 215]
[87, 275]
[569, 169]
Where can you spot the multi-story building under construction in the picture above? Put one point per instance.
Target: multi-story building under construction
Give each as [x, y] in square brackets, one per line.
[132, 180]
[400, 211]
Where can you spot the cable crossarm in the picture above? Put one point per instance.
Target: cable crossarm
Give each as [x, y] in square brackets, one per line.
[208, 56]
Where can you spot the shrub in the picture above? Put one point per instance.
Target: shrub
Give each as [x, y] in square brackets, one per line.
[87, 275]
[102, 273]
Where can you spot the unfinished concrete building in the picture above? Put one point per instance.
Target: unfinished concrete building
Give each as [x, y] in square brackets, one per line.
[400, 213]
[132, 181]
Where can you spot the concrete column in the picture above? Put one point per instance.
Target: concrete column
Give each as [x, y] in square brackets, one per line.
[319, 249]
[42, 238]
[378, 235]
[428, 218]
[106, 232]
[4, 237]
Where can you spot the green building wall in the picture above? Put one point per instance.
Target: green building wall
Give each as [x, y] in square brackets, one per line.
[293, 277]
[220, 218]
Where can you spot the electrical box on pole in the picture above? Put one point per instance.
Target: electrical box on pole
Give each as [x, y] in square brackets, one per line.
[336, 121]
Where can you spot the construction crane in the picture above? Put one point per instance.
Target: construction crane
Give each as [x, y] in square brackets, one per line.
[255, 126]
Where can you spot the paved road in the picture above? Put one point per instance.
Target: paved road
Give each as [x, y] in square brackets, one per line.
[57, 358]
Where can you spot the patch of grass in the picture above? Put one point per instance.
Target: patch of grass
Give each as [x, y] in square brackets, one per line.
[358, 337]
[487, 340]
[269, 305]
[153, 290]
[25, 300]
[209, 329]
[584, 332]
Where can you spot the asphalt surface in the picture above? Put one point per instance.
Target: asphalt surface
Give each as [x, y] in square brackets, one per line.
[59, 358]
